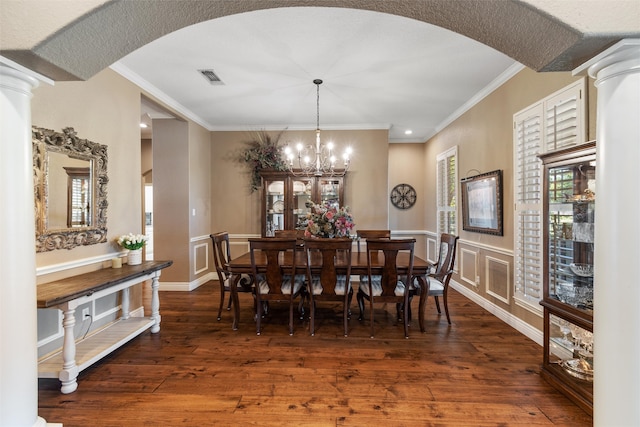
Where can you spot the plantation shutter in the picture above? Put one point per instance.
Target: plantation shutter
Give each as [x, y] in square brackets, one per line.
[447, 191]
[555, 122]
[564, 122]
[528, 250]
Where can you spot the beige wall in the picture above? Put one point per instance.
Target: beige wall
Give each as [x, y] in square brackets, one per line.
[406, 166]
[237, 210]
[105, 110]
[484, 137]
[171, 197]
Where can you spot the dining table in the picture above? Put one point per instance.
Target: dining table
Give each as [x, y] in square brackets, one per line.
[242, 266]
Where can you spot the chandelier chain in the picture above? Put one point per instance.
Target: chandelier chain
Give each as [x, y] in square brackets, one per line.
[324, 159]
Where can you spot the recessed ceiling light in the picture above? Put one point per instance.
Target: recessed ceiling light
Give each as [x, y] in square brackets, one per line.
[408, 132]
[143, 125]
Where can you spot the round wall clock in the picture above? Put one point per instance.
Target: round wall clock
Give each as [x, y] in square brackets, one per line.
[403, 196]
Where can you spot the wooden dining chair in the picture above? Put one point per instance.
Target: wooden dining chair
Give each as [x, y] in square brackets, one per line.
[327, 281]
[372, 234]
[289, 233]
[297, 234]
[275, 281]
[221, 257]
[442, 270]
[391, 287]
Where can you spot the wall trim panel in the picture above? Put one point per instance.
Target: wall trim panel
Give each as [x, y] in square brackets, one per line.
[489, 248]
[197, 270]
[490, 280]
[468, 270]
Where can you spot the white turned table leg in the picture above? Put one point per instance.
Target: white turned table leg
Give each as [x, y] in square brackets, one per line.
[155, 303]
[69, 372]
[125, 303]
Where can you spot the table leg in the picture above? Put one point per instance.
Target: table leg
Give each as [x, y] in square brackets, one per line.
[69, 373]
[233, 281]
[155, 303]
[424, 293]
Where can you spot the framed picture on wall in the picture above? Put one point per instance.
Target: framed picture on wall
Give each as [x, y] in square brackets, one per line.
[482, 203]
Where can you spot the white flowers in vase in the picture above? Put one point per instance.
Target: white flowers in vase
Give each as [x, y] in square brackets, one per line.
[132, 241]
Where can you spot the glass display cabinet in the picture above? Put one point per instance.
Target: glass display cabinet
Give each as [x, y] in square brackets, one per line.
[285, 196]
[569, 218]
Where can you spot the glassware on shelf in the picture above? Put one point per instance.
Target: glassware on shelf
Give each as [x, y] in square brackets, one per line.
[565, 330]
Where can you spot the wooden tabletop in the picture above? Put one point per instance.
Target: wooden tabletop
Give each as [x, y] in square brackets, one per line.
[58, 292]
[242, 264]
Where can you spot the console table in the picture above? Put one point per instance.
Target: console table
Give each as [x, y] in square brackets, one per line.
[67, 294]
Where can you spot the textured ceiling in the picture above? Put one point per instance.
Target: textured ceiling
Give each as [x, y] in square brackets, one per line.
[380, 71]
[373, 66]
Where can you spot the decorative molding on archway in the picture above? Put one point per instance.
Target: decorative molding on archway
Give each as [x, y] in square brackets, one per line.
[89, 40]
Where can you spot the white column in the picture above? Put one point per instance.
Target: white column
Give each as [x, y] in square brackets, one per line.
[18, 315]
[617, 236]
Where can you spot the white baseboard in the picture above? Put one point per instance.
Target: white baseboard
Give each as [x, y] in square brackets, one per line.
[188, 286]
[511, 320]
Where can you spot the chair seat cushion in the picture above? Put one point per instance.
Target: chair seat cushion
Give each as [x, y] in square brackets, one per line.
[243, 284]
[436, 287]
[316, 286]
[365, 278]
[298, 283]
[376, 286]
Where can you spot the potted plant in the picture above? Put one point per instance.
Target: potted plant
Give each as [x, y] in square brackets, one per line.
[263, 152]
[134, 243]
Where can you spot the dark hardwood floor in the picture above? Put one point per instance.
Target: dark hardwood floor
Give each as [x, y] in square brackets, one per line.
[198, 372]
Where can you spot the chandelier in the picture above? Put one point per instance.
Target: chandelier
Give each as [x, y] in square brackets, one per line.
[320, 159]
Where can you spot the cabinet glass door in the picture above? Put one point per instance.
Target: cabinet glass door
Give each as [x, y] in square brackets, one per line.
[275, 206]
[302, 188]
[330, 191]
[571, 220]
[571, 348]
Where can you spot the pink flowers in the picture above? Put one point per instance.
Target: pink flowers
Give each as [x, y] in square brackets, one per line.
[328, 220]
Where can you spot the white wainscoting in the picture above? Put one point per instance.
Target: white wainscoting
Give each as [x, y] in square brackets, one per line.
[498, 278]
[468, 266]
[200, 253]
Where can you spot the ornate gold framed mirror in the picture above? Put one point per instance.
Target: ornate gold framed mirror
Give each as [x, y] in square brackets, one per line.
[70, 184]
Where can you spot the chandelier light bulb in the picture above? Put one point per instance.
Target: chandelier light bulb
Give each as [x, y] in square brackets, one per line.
[317, 160]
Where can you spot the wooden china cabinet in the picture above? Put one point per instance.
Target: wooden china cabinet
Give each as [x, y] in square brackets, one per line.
[285, 194]
[569, 218]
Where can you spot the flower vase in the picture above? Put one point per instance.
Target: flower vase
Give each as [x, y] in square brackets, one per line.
[134, 257]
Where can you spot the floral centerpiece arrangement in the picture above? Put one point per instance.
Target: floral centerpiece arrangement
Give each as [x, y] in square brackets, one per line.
[132, 241]
[327, 220]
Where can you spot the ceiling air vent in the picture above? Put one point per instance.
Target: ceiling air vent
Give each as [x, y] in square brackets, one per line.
[211, 77]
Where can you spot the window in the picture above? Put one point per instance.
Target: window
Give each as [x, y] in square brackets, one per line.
[564, 117]
[527, 136]
[447, 191]
[78, 196]
[555, 122]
